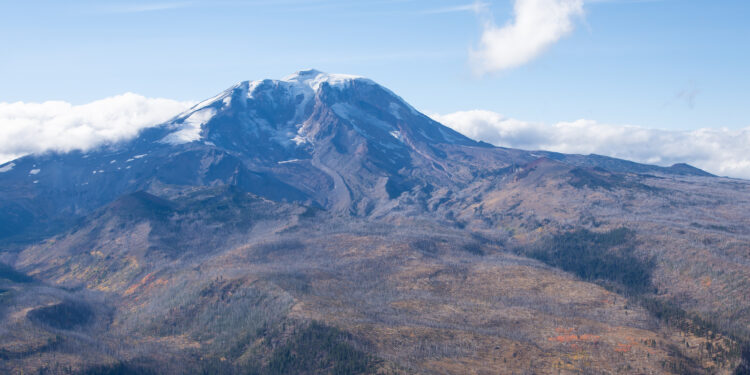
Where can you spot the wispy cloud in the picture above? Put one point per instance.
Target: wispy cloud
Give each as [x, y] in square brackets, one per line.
[688, 95]
[476, 7]
[537, 24]
[719, 151]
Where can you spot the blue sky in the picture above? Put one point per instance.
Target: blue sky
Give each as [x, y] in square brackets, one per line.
[671, 64]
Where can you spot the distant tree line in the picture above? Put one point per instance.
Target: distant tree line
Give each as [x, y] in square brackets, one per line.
[64, 315]
[312, 349]
[592, 256]
[319, 349]
[8, 273]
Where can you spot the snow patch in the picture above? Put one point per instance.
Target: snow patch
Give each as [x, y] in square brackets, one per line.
[300, 140]
[225, 98]
[397, 134]
[251, 86]
[34, 171]
[190, 129]
[7, 167]
[136, 157]
[314, 79]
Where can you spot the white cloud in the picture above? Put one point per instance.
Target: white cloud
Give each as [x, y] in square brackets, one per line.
[38, 127]
[60, 126]
[719, 151]
[537, 24]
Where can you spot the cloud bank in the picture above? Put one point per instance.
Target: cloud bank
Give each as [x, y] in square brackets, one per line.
[27, 128]
[537, 25]
[719, 151]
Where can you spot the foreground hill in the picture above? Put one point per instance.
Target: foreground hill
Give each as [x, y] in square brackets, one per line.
[319, 224]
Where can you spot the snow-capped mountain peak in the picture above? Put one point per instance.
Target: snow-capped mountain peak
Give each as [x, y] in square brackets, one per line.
[290, 113]
[314, 79]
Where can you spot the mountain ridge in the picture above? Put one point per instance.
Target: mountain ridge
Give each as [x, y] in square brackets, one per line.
[321, 221]
[335, 141]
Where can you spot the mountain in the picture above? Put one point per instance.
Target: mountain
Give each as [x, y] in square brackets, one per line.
[320, 224]
[333, 141]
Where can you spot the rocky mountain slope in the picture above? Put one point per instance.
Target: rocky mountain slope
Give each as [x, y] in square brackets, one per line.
[320, 224]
